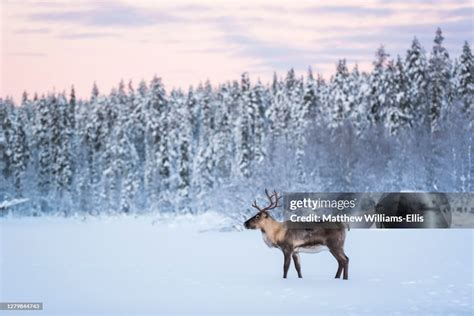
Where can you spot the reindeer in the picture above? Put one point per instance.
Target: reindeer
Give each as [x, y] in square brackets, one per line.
[292, 241]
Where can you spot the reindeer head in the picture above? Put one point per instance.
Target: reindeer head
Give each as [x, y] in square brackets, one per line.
[258, 220]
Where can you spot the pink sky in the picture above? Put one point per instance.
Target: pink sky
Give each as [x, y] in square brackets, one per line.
[51, 45]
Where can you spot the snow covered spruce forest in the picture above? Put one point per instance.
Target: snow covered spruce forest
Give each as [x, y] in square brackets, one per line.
[405, 125]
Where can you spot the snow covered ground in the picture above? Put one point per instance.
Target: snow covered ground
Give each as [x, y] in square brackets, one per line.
[132, 266]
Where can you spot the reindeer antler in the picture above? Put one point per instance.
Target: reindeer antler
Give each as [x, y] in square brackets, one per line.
[273, 204]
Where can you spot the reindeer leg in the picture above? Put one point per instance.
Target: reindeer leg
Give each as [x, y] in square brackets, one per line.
[340, 262]
[346, 267]
[286, 263]
[296, 260]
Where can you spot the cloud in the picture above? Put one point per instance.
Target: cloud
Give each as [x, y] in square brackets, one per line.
[265, 37]
[193, 8]
[40, 4]
[33, 31]
[329, 9]
[281, 55]
[79, 36]
[466, 12]
[270, 54]
[348, 10]
[430, 2]
[107, 14]
[458, 28]
[27, 54]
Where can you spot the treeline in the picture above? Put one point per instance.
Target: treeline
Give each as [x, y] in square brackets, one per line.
[405, 125]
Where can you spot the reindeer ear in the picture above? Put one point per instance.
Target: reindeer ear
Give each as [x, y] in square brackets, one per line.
[265, 214]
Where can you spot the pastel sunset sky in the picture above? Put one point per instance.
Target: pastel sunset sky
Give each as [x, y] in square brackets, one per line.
[51, 45]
